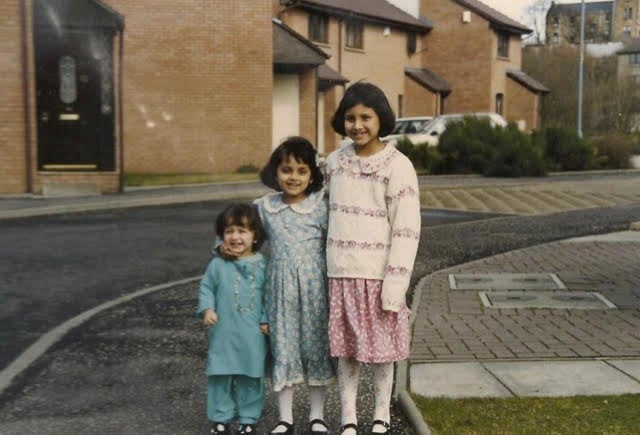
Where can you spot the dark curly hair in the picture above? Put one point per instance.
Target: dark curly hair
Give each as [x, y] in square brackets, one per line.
[241, 214]
[301, 150]
[368, 95]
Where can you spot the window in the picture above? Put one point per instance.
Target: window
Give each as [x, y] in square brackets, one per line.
[499, 103]
[318, 25]
[626, 31]
[503, 45]
[411, 43]
[634, 59]
[67, 73]
[628, 13]
[355, 29]
[556, 38]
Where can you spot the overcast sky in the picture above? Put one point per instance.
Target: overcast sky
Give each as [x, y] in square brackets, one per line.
[511, 8]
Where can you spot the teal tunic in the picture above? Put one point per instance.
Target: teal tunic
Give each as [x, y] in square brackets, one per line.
[234, 290]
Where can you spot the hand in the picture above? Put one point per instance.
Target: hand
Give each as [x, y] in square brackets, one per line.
[210, 318]
[264, 328]
[227, 253]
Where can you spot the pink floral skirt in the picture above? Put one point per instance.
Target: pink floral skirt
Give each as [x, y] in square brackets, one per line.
[359, 328]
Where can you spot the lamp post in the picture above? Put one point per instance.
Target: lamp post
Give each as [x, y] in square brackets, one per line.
[581, 68]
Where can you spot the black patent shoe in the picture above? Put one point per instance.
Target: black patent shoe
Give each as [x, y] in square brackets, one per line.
[246, 429]
[290, 429]
[349, 426]
[318, 432]
[385, 424]
[219, 428]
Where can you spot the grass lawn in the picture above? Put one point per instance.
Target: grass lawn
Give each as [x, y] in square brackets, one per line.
[528, 415]
[171, 179]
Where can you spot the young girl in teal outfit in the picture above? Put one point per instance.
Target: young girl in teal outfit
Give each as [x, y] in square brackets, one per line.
[231, 303]
[295, 221]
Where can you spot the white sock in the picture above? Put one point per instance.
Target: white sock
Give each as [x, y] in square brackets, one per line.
[382, 386]
[285, 403]
[316, 405]
[348, 378]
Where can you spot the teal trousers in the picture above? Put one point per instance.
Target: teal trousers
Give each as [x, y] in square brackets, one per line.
[230, 396]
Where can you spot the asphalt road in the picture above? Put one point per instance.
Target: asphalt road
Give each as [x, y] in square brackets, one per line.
[53, 268]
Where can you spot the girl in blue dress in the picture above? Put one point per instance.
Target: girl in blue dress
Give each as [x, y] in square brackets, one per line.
[230, 302]
[295, 221]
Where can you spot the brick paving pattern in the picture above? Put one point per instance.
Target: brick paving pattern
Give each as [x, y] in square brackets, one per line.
[454, 325]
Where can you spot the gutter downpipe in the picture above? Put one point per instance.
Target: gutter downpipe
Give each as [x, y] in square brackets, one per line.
[581, 69]
[25, 91]
[121, 110]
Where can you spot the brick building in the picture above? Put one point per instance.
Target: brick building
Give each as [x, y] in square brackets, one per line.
[97, 88]
[174, 85]
[478, 51]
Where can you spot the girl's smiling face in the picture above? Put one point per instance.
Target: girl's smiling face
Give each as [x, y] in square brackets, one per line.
[362, 125]
[293, 178]
[239, 239]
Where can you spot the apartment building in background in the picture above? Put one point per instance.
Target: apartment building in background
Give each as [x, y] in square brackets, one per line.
[605, 21]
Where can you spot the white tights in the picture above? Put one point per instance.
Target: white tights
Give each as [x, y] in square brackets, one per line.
[316, 405]
[349, 377]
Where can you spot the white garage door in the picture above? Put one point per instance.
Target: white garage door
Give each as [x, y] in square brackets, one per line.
[286, 107]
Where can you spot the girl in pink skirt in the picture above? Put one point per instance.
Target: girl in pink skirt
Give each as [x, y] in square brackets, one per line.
[374, 228]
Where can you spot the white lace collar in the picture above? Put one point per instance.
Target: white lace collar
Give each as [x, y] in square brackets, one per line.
[347, 157]
[273, 202]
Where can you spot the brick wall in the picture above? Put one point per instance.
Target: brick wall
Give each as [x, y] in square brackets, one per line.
[461, 53]
[12, 121]
[197, 98]
[418, 100]
[523, 105]
[308, 102]
[197, 84]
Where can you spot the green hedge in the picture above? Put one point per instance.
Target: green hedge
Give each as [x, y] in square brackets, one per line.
[473, 146]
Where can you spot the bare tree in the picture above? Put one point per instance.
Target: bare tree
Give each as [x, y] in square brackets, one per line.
[535, 15]
[609, 105]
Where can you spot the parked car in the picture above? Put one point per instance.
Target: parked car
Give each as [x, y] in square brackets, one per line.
[430, 132]
[408, 125]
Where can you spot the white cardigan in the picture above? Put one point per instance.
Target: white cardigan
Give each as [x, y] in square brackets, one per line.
[374, 219]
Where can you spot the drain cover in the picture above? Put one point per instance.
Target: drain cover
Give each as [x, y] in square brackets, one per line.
[578, 300]
[505, 281]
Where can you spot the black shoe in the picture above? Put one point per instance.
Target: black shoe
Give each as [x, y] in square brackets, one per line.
[245, 429]
[386, 425]
[219, 428]
[318, 432]
[290, 429]
[349, 426]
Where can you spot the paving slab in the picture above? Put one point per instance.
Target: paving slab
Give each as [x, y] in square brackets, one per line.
[455, 380]
[630, 367]
[504, 281]
[562, 378]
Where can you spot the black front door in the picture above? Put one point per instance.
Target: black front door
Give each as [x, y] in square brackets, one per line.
[74, 88]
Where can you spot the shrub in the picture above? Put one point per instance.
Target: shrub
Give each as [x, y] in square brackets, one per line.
[473, 145]
[514, 155]
[564, 150]
[464, 146]
[422, 156]
[613, 151]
